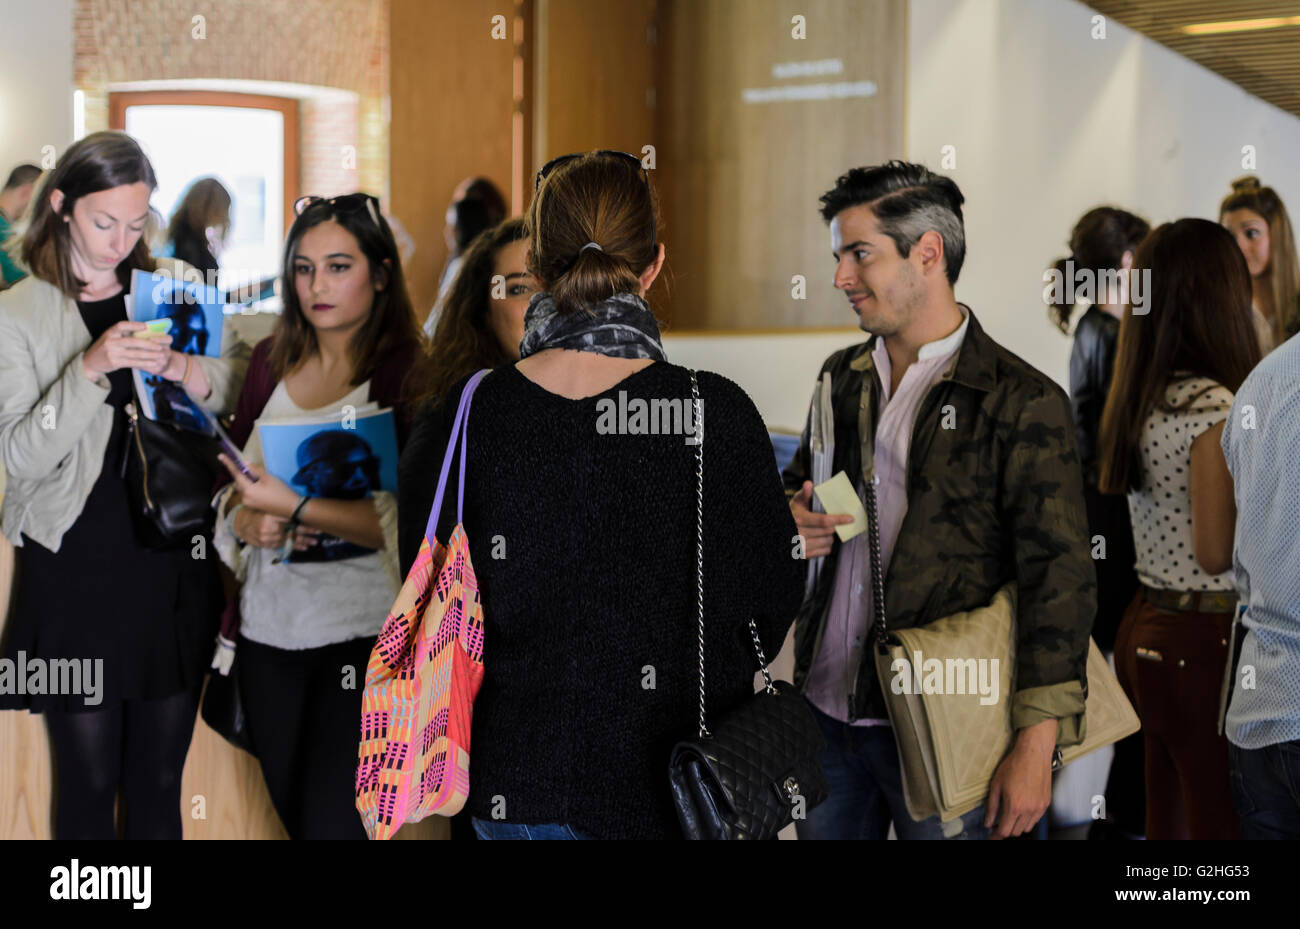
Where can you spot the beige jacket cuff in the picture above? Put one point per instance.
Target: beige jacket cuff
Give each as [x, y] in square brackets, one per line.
[226, 378]
[1063, 702]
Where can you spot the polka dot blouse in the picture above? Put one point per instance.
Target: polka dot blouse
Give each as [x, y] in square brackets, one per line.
[1161, 511]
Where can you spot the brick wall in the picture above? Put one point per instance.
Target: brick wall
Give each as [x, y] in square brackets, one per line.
[339, 44]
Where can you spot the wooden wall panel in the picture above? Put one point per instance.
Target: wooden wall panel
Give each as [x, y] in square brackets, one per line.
[595, 76]
[596, 67]
[452, 103]
[740, 180]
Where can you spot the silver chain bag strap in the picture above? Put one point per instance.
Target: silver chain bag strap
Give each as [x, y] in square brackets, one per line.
[758, 769]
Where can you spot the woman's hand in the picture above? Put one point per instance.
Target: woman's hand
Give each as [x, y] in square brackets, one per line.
[174, 368]
[119, 348]
[265, 492]
[261, 530]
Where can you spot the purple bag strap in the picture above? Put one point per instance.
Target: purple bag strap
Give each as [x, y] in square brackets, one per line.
[459, 429]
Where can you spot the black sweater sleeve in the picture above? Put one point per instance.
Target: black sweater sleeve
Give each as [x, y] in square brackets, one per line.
[417, 477]
[747, 505]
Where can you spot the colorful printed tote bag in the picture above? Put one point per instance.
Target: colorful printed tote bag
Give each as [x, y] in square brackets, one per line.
[424, 672]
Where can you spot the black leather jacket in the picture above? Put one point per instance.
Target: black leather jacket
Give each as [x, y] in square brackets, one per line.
[1091, 362]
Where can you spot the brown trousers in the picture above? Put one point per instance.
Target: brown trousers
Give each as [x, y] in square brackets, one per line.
[1188, 791]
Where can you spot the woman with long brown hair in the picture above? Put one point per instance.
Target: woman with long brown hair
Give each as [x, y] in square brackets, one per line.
[1258, 220]
[346, 337]
[1178, 366]
[88, 592]
[481, 326]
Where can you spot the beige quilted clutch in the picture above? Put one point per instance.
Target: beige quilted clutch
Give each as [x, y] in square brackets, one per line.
[948, 687]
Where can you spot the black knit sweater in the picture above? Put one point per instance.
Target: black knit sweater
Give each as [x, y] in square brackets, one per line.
[590, 651]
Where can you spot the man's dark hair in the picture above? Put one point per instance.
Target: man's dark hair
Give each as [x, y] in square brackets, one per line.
[483, 189]
[908, 200]
[23, 174]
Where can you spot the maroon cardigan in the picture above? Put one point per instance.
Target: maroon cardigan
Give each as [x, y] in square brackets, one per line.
[386, 383]
[385, 389]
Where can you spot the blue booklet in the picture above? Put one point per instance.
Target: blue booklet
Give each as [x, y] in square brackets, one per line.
[336, 457]
[193, 314]
[195, 311]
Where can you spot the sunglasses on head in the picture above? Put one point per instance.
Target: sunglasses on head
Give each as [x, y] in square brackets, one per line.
[347, 203]
[556, 162]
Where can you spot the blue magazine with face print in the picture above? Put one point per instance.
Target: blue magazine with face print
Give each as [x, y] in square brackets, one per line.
[343, 456]
[194, 312]
[193, 315]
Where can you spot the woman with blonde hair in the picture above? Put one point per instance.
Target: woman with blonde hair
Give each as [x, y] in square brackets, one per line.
[1257, 219]
[200, 224]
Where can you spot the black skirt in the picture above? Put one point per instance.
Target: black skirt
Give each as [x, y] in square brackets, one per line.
[141, 624]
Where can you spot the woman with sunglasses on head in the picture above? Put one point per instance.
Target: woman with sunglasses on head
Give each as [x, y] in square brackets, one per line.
[347, 336]
[582, 532]
[137, 622]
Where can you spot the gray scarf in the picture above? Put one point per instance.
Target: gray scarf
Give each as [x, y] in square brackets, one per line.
[621, 326]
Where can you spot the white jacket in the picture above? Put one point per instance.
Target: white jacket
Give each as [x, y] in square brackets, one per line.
[54, 423]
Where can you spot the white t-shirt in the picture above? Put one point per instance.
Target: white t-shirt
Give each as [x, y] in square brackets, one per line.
[1162, 510]
[310, 604]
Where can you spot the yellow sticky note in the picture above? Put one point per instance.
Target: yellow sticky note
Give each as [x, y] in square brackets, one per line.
[838, 497]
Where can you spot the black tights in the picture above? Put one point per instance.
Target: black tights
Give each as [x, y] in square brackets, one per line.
[137, 746]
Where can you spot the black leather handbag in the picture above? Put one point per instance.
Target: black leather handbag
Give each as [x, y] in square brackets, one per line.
[223, 702]
[169, 474]
[759, 767]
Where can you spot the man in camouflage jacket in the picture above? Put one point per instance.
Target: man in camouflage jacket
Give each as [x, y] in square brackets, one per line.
[993, 490]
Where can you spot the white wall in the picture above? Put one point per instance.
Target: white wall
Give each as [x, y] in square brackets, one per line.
[35, 84]
[35, 80]
[777, 371]
[1048, 122]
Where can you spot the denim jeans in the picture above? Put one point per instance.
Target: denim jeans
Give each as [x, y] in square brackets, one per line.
[491, 829]
[1266, 790]
[866, 791]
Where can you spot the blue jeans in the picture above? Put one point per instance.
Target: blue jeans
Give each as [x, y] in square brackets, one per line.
[491, 829]
[866, 791]
[1266, 790]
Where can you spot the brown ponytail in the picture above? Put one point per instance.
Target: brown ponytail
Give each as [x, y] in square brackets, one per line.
[1097, 244]
[592, 198]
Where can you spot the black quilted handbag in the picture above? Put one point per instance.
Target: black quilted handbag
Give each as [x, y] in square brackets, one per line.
[758, 768]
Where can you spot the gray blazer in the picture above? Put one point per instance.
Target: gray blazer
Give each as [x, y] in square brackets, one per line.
[54, 423]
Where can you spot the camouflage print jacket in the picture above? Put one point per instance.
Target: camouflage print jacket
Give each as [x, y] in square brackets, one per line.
[995, 494]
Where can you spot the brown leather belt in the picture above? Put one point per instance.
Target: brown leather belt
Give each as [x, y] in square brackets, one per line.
[1184, 601]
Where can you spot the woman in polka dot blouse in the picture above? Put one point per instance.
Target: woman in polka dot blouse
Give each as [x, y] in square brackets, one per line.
[1182, 353]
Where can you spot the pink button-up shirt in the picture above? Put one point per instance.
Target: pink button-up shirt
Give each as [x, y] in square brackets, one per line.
[830, 680]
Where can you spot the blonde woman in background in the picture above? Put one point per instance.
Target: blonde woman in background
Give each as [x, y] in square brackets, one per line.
[200, 225]
[1258, 220]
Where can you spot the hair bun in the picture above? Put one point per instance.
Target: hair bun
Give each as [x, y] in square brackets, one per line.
[1247, 184]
